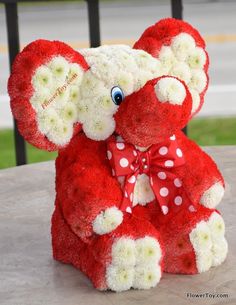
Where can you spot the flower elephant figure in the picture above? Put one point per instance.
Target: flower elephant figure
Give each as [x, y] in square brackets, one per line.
[135, 197]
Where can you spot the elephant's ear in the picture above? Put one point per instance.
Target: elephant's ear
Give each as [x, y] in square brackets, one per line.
[44, 92]
[181, 51]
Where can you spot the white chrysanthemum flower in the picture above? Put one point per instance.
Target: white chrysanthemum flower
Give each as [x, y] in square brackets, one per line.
[83, 112]
[57, 84]
[98, 60]
[61, 134]
[182, 45]
[204, 261]
[170, 90]
[86, 52]
[98, 128]
[198, 80]
[156, 68]
[100, 105]
[74, 94]
[143, 192]
[104, 67]
[212, 197]
[124, 61]
[195, 100]
[197, 58]
[219, 251]
[167, 59]
[62, 95]
[147, 62]
[148, 251]
[48, 120]
[42, 78]
[141, 78]
[142, 58]
[69, 113]
[59, 67]
[200, 237]
[75, 75]
[119, 278]
[125, 81]
[107, 221]
[123, 252]
[105, 70]
[41, 99]
[217, 226]
[147, 276]
[116, 60]
[106, 105]
[181, 71]
[91, 86]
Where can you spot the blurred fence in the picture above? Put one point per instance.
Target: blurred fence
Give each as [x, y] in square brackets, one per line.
[94, 37]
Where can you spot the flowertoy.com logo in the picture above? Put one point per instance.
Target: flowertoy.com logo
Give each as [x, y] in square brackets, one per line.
[59, 91]
[207, 295]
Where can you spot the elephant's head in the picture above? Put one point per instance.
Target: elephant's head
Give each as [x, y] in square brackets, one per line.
[143, 94]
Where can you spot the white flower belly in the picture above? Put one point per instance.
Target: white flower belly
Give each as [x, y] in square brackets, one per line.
[143, 192]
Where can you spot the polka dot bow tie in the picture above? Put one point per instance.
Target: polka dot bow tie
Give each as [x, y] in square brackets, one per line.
[159, 163]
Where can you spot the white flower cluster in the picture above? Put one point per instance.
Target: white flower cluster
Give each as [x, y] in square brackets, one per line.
[142, 191]
[123, 252]
[146, 277]
[148, 250]
[56, 98]
[134, 263]
[170, 90]
[111, 66]
[61, 99]
[130, 69]
[184, 60]
[209, 243]
[220, 246]
[212, 197]
[107, 221]
[65, 94]
[119, 278]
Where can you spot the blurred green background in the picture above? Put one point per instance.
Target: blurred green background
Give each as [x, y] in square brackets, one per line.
[204, 131]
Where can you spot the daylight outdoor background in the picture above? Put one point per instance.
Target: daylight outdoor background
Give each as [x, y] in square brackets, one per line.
[123, 22]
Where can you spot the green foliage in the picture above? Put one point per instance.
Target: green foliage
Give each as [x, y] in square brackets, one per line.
[7, 151]
[204, 131]
[213, 131]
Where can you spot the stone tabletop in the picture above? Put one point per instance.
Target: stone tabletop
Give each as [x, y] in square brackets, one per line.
[29, 275]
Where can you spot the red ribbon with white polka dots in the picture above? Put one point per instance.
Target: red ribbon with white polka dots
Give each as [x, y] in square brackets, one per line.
[159, 163]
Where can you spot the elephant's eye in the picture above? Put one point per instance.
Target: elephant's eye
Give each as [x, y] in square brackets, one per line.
[117, 95]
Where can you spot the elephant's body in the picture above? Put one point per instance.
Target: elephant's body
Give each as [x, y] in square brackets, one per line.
[85, 187]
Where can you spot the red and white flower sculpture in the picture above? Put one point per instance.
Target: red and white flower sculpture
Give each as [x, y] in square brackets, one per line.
[135, 197]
